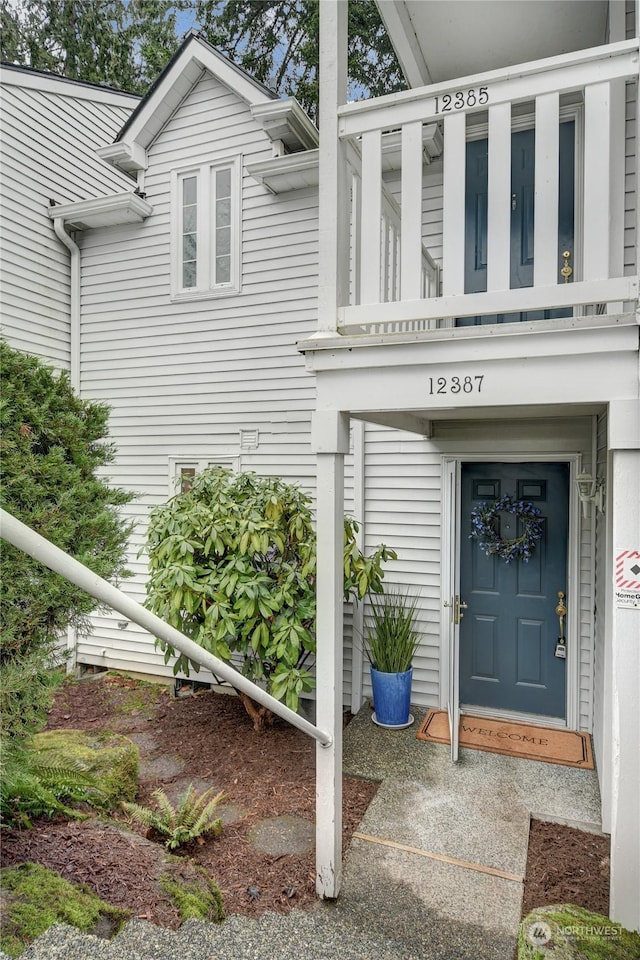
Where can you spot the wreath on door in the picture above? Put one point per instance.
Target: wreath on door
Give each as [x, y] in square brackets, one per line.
[485, 527]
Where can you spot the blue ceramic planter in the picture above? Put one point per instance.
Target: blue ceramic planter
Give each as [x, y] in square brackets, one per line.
[391, 697]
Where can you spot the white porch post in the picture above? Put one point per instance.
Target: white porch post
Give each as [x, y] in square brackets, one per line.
[330, 438]
[624, 673]
[333, 187]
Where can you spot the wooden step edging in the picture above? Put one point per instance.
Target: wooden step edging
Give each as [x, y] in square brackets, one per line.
[442, 858]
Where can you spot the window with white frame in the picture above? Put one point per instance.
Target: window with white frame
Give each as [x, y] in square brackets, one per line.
[206, 218]
[183, 471]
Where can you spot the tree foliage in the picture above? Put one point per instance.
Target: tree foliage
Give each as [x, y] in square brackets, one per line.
[232, 564]
[52, 447]
[126, 43]
[121, 43]
[278, 42]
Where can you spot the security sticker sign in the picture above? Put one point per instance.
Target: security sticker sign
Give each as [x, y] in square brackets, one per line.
[627, 578]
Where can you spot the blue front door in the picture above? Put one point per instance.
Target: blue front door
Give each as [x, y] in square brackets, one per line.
[522, 217]
[509, 630]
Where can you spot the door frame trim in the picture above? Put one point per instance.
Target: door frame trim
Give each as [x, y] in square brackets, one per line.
[449, 556]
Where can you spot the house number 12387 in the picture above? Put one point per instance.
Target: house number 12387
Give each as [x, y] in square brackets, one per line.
[462, 98]
[456, 384]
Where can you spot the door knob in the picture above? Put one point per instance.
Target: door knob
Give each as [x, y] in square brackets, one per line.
[458, 606]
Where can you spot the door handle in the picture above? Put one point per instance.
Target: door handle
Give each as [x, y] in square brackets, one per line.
[458, 606]
[566, 270]
[561, 612]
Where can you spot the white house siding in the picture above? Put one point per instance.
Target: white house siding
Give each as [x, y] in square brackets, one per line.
[51, 128]
[403, 482]
[184, 378]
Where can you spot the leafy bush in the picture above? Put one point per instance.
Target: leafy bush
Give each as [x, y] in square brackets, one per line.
[192, 817]
[232, 565]
[52, 447]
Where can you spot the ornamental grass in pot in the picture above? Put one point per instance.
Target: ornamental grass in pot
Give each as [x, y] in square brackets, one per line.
[390, 642]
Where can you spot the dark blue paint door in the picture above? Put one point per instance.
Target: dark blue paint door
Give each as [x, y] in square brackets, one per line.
[522, 218]
[509, 631]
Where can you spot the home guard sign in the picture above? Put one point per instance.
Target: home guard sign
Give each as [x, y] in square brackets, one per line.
[627, 578]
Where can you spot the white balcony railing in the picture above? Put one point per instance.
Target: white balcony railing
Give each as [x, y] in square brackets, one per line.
[396, 284]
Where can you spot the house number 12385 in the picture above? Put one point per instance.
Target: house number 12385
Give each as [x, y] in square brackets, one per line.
[456, 384]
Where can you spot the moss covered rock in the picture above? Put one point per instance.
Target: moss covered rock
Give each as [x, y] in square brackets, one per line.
[32, 898]
[111, 758]
[198, 896]
[565, 932]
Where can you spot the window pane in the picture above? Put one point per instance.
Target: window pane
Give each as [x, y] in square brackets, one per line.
[223, 241]
[189, 247]
[189, 218]
[223, 183]
[189, 275]
[189, 190]
[223, 269]
[223, 213]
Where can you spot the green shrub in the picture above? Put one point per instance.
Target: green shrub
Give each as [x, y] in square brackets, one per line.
[232, 565]
[391, 638]
[52, 447]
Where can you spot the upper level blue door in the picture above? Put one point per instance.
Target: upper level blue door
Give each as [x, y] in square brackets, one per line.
[509, 631]
[522, 217]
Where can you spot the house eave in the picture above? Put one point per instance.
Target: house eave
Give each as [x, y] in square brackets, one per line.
[292, 171]
[285, 120]
[107, 211]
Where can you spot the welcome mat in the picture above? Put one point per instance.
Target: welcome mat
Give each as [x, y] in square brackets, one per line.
[550, 744]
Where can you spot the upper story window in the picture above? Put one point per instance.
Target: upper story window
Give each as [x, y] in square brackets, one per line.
[206, 230]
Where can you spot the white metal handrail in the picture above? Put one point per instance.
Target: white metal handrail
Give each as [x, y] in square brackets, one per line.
[24, 538]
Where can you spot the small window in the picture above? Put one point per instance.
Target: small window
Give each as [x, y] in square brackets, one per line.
[183, 471]
[206, 217]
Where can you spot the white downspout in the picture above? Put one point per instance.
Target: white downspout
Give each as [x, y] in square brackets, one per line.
[74, 284]
[74, 366]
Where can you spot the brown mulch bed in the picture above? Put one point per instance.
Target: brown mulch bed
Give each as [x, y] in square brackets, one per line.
[565, 865]
[209, 739]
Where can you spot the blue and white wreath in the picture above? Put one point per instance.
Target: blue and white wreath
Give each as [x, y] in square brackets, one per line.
[484, 529]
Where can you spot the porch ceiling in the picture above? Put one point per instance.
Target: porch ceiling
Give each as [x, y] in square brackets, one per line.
[425, 422]
[438, 40]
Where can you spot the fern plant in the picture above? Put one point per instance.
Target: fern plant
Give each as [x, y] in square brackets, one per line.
[30, 788]
[193, 816]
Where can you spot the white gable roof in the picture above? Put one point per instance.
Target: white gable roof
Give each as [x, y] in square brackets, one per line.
[174, 83]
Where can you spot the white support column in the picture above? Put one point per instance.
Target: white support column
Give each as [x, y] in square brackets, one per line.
[597, 181]
[547, 159]
[455, 149]
[411, 205]
[499, 199]
[330, 439]
[371, 218]
[624, 671]
[333, 221]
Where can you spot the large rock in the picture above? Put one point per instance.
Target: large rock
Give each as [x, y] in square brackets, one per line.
[565, 932]
[111, 758]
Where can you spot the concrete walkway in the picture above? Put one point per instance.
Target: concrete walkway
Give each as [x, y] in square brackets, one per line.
[398, 901]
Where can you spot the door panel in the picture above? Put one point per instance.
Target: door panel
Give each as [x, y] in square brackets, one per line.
[522, 218]
[509, 632]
